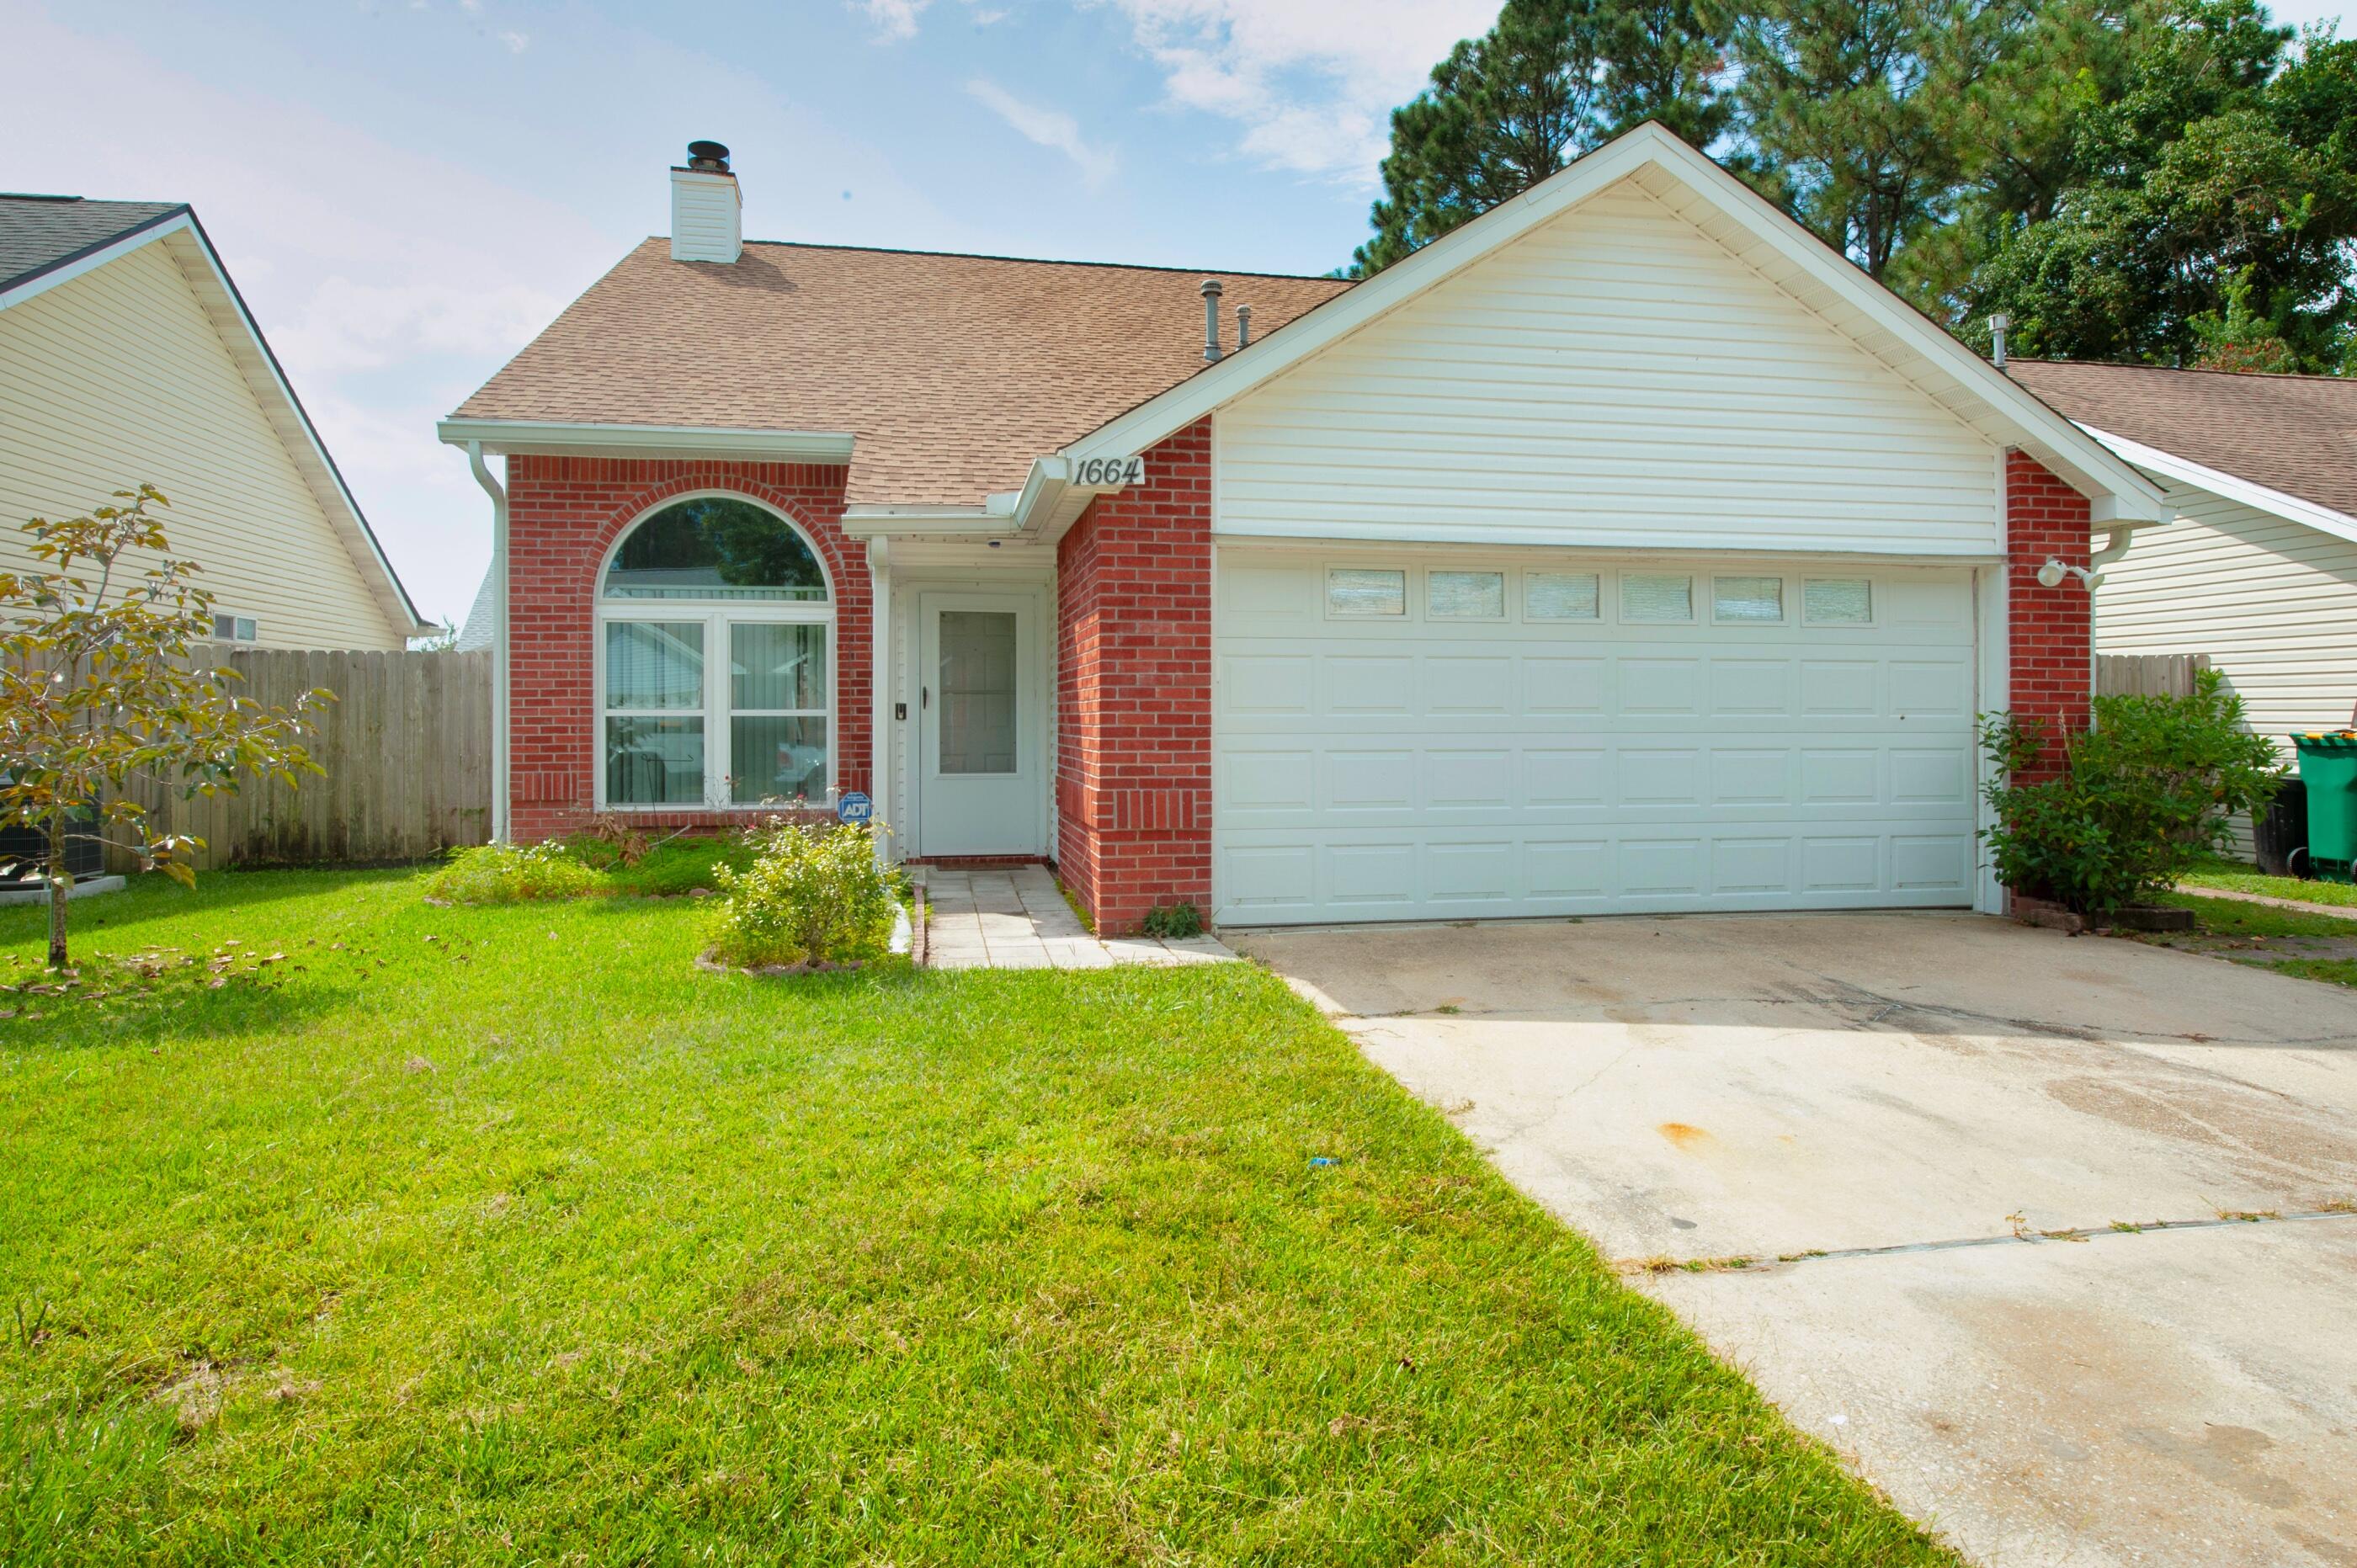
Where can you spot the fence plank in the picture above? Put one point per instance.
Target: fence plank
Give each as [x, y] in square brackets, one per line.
[406, 746]
[2147, 674]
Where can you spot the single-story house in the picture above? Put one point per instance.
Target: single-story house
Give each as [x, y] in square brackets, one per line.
[2259, 571]
[1627, 549]
[128, 356]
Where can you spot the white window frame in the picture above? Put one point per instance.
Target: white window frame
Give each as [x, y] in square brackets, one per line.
[716, 713]
[1873, 600]
[1783, 599]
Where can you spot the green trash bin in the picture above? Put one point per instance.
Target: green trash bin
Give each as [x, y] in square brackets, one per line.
[2327, 766]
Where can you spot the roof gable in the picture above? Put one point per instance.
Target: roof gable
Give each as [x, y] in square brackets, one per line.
[174, 227]
[1733, 216]
[42, 234]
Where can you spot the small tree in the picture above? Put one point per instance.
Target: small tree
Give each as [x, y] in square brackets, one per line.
[98, 694]
[2141, 799]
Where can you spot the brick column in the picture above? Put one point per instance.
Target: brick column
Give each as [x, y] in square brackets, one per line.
[1134, 692]
[2050, 632]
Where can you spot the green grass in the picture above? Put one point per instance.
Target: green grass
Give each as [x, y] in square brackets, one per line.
[500, 1235]
[2234, 878]
[2233, 918]
[2285, 941]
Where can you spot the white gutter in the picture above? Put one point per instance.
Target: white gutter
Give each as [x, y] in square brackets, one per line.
[501, 437]
[2233, 487]
[491, 487]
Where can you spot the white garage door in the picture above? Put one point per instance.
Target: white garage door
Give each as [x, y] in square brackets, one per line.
[1415, 739]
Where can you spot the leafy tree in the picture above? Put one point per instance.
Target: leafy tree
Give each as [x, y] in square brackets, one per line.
[98, 694]
[1860, 113]
[1550, 81]
[2205, 210]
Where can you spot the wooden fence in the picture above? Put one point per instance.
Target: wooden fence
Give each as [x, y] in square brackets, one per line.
[2147, 674]
[407, 747]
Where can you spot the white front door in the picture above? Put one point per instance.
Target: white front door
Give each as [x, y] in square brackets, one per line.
[982, 760]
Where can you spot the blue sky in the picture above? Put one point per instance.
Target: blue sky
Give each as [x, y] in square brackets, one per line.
[406, 190]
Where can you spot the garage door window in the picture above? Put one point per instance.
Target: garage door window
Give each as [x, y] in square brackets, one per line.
[1358, 592]
[1562, 596]
[1656, 596]
[1465, 595]
[1747, 601]
[1838, 601]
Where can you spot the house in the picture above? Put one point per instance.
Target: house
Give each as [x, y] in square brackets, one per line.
[1627, 549]
[127, 356]
[2259, 571]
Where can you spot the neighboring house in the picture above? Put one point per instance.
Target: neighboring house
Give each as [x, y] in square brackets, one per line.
[1626, 550]
[126, 356]
[2259, 572]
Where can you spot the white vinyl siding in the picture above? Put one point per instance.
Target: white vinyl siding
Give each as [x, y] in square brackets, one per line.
[1426, 768]
[2273, 603]
[1614, 378]
[119, 377]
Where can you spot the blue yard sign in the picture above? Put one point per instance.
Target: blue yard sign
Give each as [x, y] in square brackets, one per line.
[856, 809]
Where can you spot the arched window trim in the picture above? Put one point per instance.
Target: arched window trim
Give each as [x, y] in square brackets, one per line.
[716, 615]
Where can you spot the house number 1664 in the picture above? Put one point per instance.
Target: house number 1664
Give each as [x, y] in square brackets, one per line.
[1109, 471]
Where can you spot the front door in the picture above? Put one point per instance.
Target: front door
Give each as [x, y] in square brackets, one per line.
[982, 766]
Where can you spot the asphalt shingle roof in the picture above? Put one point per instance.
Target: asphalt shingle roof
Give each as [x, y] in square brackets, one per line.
[37, 232]
[2293, 433]
[953, 371]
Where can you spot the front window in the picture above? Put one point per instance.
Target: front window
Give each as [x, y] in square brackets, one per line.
[714, 630]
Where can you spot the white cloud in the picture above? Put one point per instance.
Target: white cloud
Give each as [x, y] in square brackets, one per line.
[1312, 82]
[894, 19]
[516, 42]
[1048, 127]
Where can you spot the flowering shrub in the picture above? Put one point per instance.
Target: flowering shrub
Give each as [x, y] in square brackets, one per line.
[812, 894]
[511, 874]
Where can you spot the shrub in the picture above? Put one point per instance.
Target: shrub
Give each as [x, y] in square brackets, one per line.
[811, 894]
[511, 874]
[2143, 797]
[1174, 920]
[606, 841]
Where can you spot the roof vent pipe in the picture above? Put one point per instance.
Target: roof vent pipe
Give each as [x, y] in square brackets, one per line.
[1998, 325]
[1211, 320]
[1244, 325]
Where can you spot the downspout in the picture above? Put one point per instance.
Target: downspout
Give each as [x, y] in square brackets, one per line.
[2115, 545]
[491, 487]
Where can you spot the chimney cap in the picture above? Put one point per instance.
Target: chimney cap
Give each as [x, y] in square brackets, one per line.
[1211, 288]
[711, 158]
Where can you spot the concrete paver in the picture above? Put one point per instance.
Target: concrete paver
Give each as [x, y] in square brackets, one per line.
[1019, 919]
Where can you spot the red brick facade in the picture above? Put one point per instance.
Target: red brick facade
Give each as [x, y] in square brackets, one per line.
[563, 514]
[2049, 631]
[1134, 692]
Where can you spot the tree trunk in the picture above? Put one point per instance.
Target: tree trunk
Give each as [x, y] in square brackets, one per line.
[60, 889]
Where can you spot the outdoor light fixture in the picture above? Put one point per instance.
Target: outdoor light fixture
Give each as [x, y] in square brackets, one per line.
[2051, 576]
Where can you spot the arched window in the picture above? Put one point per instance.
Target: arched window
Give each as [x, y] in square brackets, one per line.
[715, 628]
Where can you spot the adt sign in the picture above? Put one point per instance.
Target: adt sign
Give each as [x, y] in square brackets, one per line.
[855, 809]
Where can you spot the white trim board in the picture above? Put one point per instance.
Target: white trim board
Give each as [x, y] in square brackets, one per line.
[541, 437]
[1735, 217]
[2218, 482]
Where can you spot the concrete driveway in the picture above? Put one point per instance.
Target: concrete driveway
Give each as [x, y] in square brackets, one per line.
[1886, 1114]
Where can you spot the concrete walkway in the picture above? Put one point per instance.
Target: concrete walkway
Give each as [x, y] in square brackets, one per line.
[1019, 919]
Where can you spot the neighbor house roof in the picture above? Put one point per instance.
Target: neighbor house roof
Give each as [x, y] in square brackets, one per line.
[41, 232]
[952, 372]
[2293, 435]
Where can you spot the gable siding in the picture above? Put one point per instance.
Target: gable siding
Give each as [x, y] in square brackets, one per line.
[1614, 378]
[118, 377]
[2273, 603]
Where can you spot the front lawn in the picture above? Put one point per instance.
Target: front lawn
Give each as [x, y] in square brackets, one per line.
[2237, 878]
[501, 1235]
[2290, 941]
